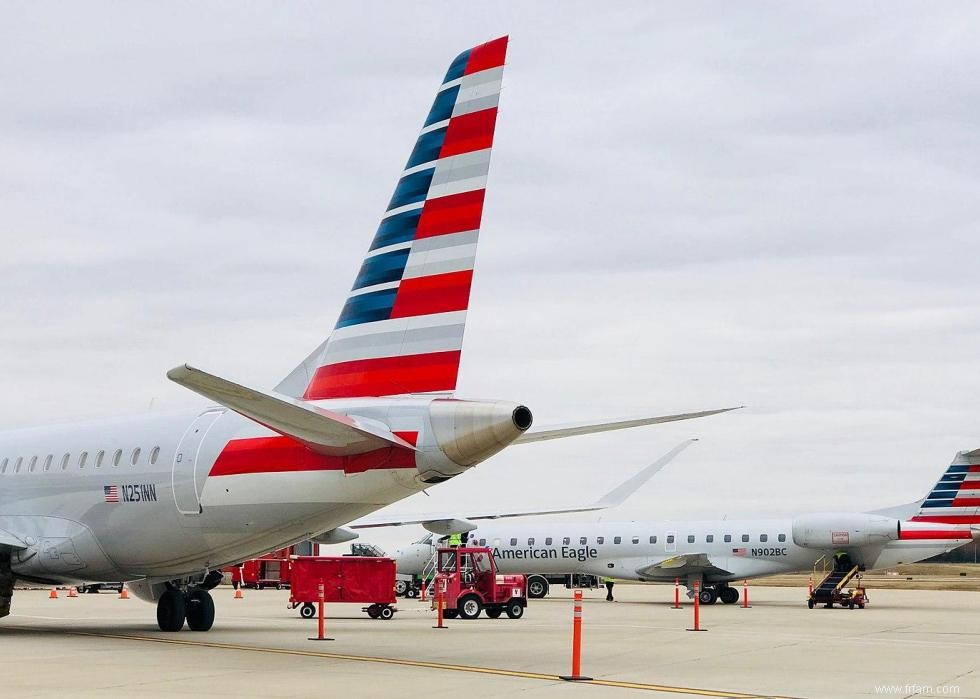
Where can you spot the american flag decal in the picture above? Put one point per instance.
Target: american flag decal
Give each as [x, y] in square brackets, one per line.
[111, 493]
[739, 552]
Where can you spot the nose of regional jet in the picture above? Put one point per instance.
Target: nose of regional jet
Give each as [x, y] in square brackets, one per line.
[469, 432]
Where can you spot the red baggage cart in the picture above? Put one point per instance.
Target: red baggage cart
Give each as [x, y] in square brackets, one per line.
[361, 579]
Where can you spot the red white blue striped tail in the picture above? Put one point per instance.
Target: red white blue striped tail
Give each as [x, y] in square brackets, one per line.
[401, 330]
[955, 499]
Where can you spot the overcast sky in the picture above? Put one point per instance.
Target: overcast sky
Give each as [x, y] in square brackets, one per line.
[690, 206]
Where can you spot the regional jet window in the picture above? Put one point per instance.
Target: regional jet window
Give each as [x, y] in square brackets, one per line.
[600, 539]
[763, 538]
[709, 538]
[745, 537]
[483, 542]
[583, 541]
[670, 538]
[781, 537]
[98, 459]
[64, 462]
[117, 457]
[153, 455]
[636, 539]
[82, 458]
[134, 459]
[47, 462]
[3, 466]
[566, 541]
[20, 460]
[617, 539]
[530, 541]
[547, 541]
[513, 542]
[690, 538]
[728, 538]
[653, 539]
[33, 464]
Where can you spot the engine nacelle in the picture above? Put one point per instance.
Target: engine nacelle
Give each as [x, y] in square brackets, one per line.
[339, 535]
[837, 530]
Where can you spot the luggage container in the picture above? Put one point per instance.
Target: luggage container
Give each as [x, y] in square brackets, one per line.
[350, 579]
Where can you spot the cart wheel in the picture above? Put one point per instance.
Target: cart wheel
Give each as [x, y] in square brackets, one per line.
[373, 611]
[861, 606]
[412, 592]
[514, 609]
[401, 587]
[494, 612]
[259, 587]
[469, 607]
[307, 611]
[386, 613]
[809, 603]
[850, 605]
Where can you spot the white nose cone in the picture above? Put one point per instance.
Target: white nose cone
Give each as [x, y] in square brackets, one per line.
[469, 432]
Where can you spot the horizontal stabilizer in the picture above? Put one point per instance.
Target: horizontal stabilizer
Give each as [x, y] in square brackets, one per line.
[324, 431]
[444, 523]
[571, 430]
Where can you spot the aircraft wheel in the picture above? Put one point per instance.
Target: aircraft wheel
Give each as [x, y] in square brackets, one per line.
[809, 603]
[729, 595]
[708, 596]
[307, 611]
[469, 607]
[494, 612]
[537, 587]
[515, 610]
[171, 610]
[200, 610]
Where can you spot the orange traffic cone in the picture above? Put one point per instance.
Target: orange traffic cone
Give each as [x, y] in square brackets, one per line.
[72, 592]
[54, 593]
[124, 593]
[238, 593]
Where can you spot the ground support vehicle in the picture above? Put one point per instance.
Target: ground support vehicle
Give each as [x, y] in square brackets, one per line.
[831, 590]
[364, 579]
[270, 570]
[467, 583]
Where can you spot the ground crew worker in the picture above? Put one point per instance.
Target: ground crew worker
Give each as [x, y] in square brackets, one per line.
[842, 561]
[608, 582]
[455, 540]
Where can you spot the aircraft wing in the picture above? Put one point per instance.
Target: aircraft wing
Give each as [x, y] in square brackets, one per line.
[445, 523]
[572, 429]
[324, 431]
[681, 566]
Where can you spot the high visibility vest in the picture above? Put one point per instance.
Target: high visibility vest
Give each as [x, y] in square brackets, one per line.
[455, 539]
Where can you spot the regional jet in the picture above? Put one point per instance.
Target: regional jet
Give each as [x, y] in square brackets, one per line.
[163, 501]
[716, 553]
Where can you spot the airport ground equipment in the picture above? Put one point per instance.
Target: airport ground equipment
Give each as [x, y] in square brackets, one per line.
[831, 590]
[94, 588]
[350, 579]
[467, 581]
[270, 570]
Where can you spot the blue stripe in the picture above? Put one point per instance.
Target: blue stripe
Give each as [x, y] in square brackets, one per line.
[953, 478]
[964, 468]
[411, 189]
[381, 269]
[367, 308]
[442, 107]
[427, 147]
[457, 67]
[938, 503]
[399, 228]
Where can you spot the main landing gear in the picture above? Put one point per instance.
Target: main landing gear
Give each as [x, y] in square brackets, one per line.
[193, 604]
[712, 593]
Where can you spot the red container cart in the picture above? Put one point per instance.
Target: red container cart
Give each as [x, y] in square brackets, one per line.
[361, 579]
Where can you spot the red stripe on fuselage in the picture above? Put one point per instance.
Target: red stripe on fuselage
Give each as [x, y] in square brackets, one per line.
[913, 534]
[947, 519]
[439, 293]
[386, 376]
[282, 454]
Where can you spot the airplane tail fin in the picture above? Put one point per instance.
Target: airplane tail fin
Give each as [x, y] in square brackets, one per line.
[401, 330]
[955, 499]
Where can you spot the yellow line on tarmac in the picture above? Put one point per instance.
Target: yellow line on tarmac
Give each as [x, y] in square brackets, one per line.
[428, 665]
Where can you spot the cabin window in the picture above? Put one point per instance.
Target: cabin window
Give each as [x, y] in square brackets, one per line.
[117, 457]
[670, 538]
[653, 539]
[513, 542]
[728, 538]
[3, 465]
[566, 541]
[600, 539]
[617, 539]
[530, 541]
[483, 542]
[33, 464]
[745, 538]
[547, 541]
[709, 538]
[636, 539]
[763, 538]
[64, 462]
[154, 455]
[781, 537]
[690, 538]
[98, 459]
[134, 459]
[82, 458]
[47, 462]
[583, 541]
[20, 460]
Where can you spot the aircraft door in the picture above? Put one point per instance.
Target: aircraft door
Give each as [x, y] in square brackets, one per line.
[185, 462]
[670, 542]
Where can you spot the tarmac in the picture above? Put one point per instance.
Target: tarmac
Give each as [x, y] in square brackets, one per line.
[904, 643]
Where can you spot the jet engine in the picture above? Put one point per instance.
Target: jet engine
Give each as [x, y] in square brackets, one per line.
[843, 530]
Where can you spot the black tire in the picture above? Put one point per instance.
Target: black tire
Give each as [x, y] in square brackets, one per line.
[386, 613]
[494, 612]
[401, 588]
[373, 611]
[861, 606]
[809, 603]
[308, 610]
[171, 610]
[449, 613]
[514, 609]
[728, 595]
[469, 607]
[537, 587]
[260, 587]
[412, 592]
[708, 596]
[199, 610]
[278, 586]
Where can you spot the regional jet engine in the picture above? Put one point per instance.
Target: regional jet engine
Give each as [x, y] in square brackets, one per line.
[831, 530]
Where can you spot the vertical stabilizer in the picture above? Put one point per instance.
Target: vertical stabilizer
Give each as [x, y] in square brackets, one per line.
[955, 499]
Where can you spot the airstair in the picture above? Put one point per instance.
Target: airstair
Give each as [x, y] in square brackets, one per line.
[831, 589]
